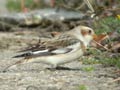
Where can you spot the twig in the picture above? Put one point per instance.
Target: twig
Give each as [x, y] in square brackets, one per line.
[89, 5]
[118, 71]
[81, 6]
[101, 45]
[115, 80]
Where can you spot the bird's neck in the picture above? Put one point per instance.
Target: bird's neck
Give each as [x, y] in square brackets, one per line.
[86, 43]
[81, 38]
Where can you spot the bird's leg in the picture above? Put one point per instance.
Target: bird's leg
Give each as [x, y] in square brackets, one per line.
[56, 67]
[53, 67]
[15, 64]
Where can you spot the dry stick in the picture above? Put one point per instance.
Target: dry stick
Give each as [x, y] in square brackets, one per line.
[101, 45]
[115, 80]
[89, 5]
[118, 71]
[81, 6]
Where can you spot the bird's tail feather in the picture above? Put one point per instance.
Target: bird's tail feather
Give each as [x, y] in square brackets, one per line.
[14, 65]
[22, 55]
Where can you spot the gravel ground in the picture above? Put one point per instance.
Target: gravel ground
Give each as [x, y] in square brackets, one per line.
[35, 76]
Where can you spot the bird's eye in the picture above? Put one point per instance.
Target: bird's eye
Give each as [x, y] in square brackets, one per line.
[89, 31]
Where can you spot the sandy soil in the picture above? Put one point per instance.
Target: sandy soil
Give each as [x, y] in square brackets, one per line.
[35, 76]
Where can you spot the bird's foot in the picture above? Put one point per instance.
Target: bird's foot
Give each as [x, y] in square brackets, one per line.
[62, 68]
[59, 68]
[52, 69]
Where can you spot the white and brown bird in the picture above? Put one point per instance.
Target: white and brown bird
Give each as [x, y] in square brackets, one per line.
[63, 48]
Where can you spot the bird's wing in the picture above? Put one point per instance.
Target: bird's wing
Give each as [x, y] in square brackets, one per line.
[61, 44]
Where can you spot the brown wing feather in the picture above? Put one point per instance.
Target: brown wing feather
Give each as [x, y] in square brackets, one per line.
[50, 46]
[61, 41]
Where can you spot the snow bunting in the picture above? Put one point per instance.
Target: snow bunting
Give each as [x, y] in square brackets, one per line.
[63, 48]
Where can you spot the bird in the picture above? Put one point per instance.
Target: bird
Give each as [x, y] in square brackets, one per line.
[63, 48]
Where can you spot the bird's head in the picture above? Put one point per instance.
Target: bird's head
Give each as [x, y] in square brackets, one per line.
[85, 34]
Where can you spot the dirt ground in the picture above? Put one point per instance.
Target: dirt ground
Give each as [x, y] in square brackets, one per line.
[35, 76]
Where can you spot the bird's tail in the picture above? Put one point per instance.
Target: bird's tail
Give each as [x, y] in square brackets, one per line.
[22, 55]
[14, 65]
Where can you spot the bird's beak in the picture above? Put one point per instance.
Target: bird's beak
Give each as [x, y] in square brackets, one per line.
[94, 36]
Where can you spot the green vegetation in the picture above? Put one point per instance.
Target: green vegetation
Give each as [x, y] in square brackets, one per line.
[93, 58]
[15, 5]
[104, 25]
[107, 24]
[88, 69]
[103, 58]
[114, 61]
[82, 87]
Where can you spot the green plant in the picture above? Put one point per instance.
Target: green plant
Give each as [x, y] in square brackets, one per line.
[15, 5]
[82, 87]
[110, 61]
[88, 69]
[92, 59]
[107, 25]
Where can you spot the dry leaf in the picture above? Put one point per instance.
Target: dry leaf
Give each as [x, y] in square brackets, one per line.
[53, 34]
[98, 40]
[116, 47]
[101, 37]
